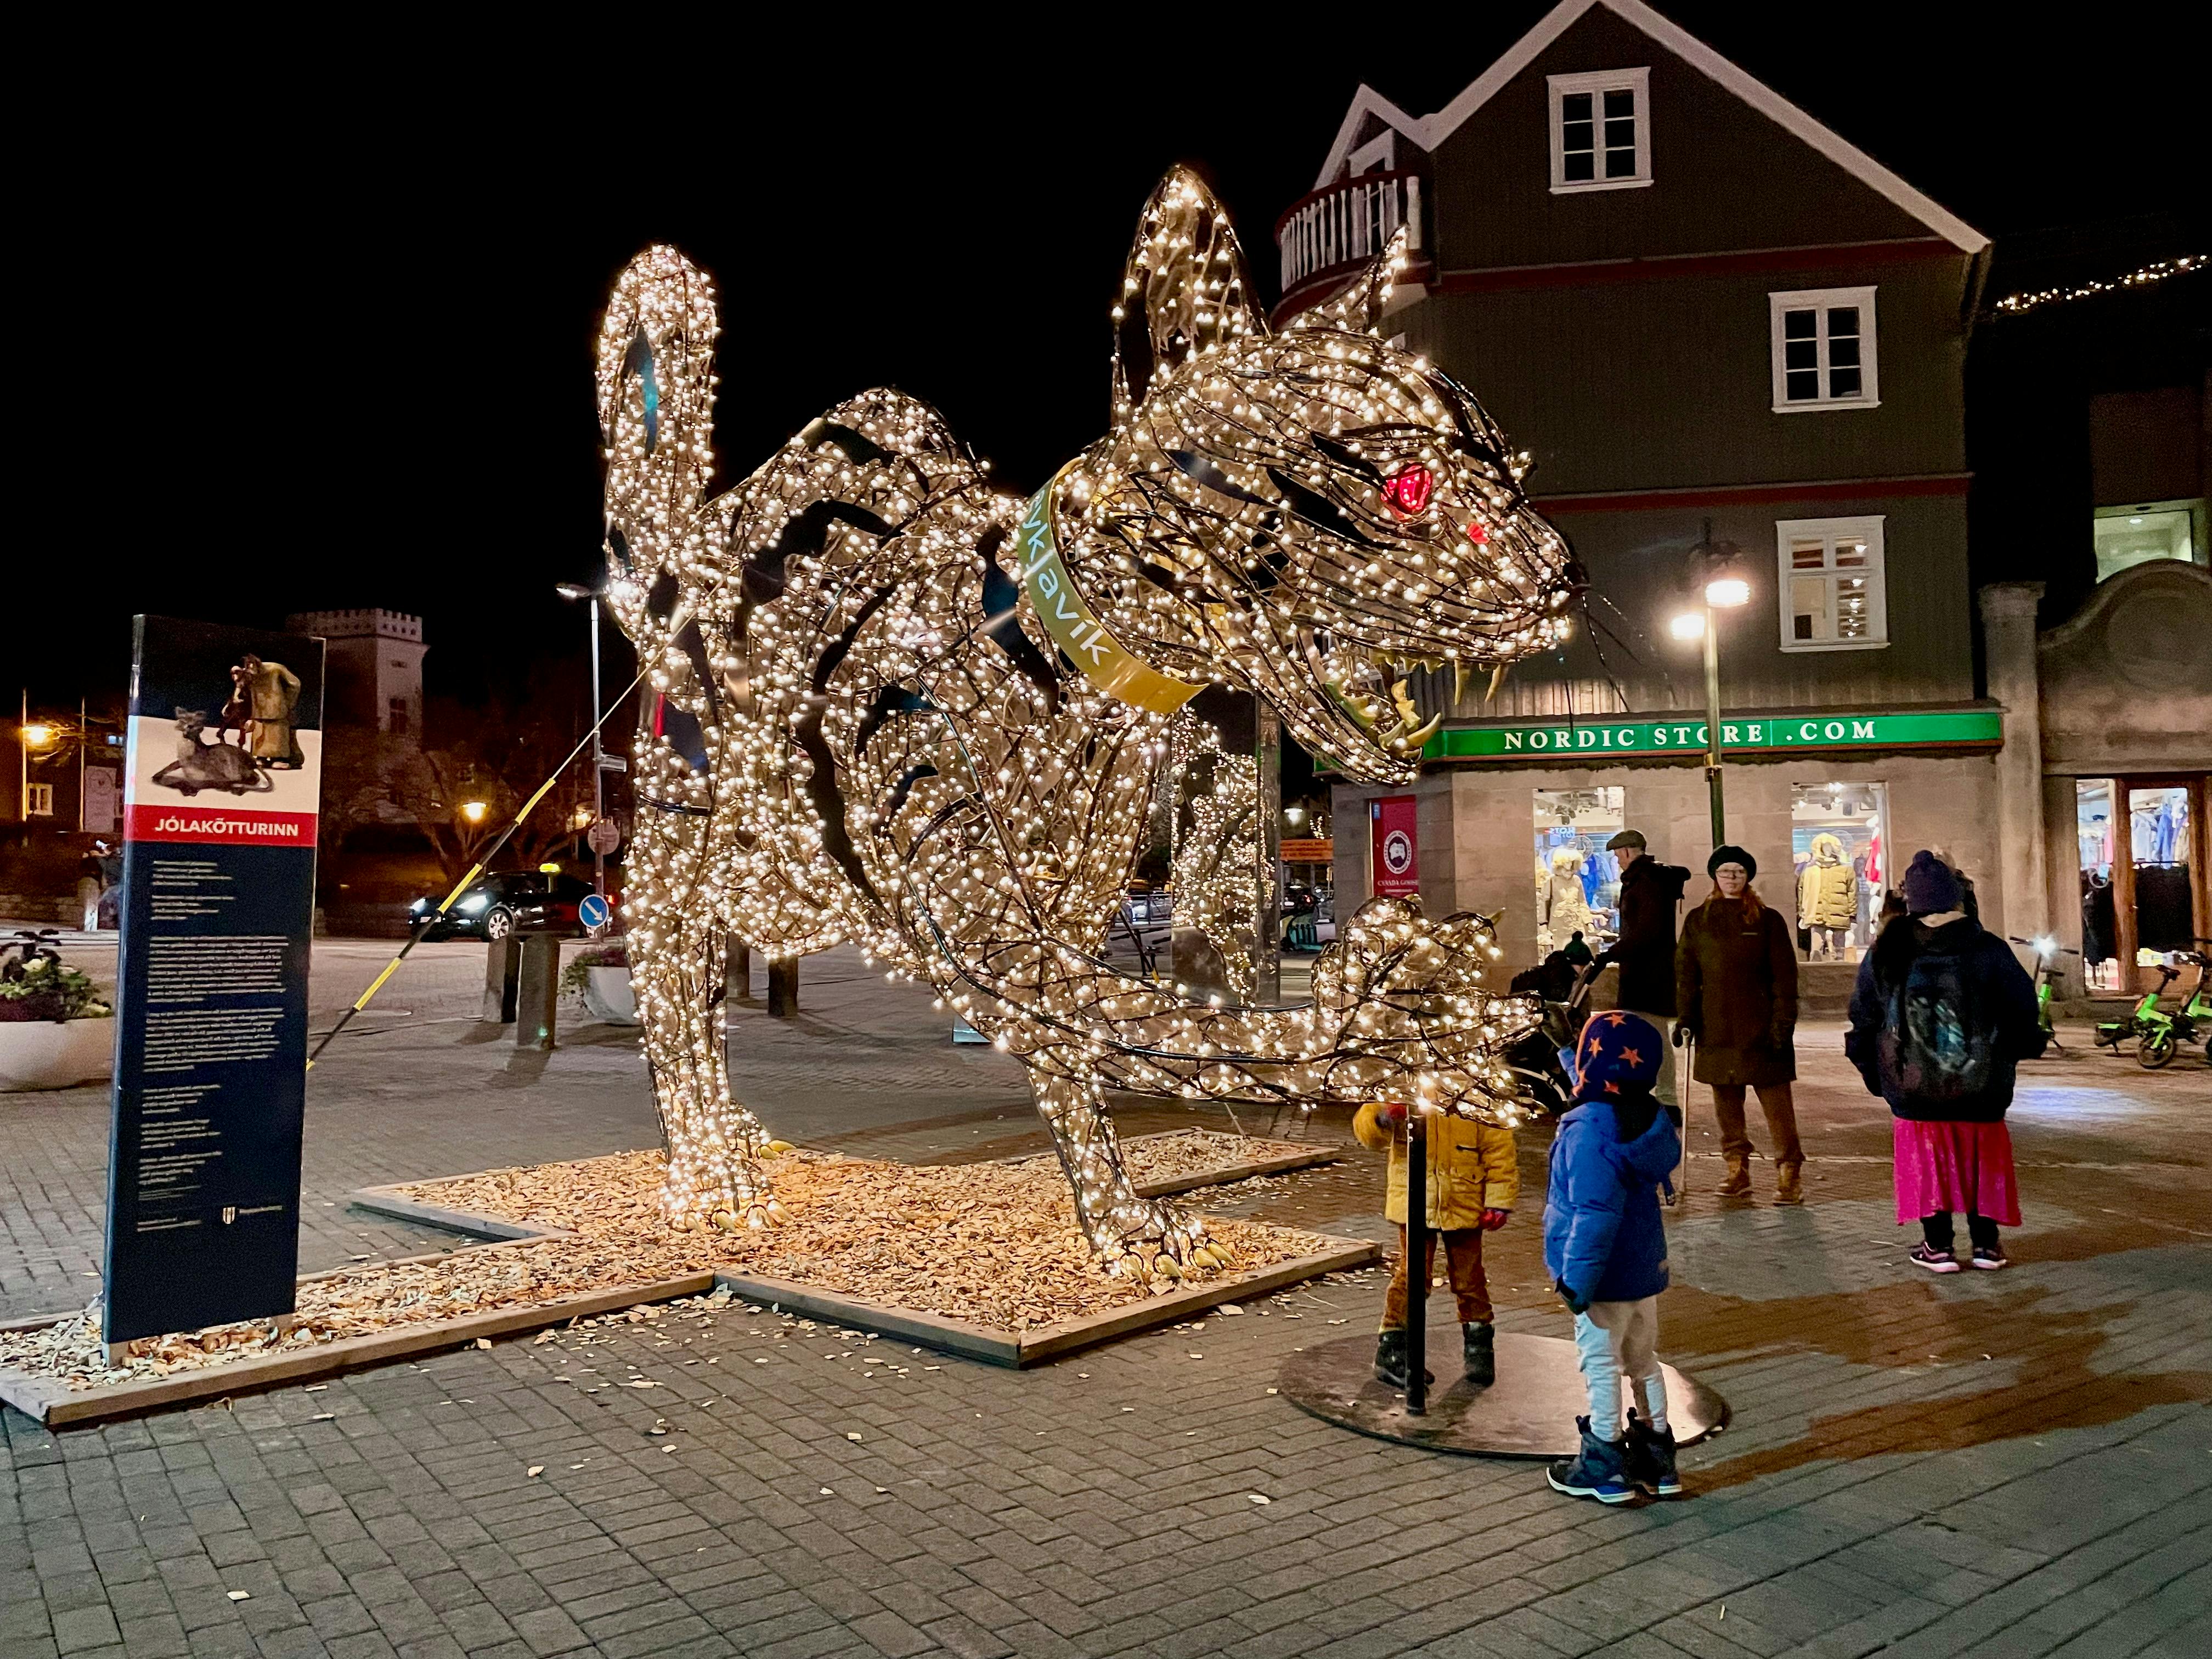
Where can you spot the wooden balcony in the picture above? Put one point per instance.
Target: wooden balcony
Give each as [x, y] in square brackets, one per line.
[1327, 236]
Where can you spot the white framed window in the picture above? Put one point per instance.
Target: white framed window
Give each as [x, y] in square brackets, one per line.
[1600, 130]
[1823, 344]
[1832, 597]
[38, 801]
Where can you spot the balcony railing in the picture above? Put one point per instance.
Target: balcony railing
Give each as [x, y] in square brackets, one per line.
[1348, 223]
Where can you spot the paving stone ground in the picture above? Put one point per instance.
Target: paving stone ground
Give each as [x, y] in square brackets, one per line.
[2016, 1463]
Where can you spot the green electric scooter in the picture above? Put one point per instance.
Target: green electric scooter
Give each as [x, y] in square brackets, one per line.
[2157, 1033]
[2163, 1033]
[2045, 948]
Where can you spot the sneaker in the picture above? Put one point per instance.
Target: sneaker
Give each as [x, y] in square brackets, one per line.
[1599, 1471]
[1651, 1458]
[1935, 1261]
[1991, 1257]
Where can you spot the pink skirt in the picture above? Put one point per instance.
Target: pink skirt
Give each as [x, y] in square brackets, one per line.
[1943, 1167]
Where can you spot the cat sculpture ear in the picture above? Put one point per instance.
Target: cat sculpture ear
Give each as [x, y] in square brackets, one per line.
[1185, 291]
[1357, 307]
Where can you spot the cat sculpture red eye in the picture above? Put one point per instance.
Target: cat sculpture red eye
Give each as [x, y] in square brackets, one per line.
[1409, 491]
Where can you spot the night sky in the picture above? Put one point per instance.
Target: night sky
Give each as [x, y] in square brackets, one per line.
[321, 335]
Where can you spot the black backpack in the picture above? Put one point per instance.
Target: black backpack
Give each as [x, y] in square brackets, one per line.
[1937, 1041]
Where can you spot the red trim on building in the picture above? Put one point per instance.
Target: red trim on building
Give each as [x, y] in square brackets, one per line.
[1832, 489]
[1598, 273]
[228, 825]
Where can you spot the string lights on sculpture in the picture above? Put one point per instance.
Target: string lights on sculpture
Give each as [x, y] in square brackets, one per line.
[1215, 866]
[899, 707]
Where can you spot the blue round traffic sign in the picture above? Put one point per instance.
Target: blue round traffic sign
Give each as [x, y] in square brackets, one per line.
[592, 910]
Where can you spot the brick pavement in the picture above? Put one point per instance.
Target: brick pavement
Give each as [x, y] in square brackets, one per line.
[1988, 1465]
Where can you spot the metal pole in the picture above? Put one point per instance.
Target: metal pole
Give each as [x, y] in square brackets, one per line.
[1267, 940]
[23, 751]
[1417, 1263]
[82, 705]
[598, 771]
[1713, 727]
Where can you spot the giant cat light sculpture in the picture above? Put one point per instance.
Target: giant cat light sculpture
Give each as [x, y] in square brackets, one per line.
[902, 709]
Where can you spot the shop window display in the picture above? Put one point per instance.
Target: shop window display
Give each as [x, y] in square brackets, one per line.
[2160, 832]
[1577, 880]
[1836, 842]
[2101, 922]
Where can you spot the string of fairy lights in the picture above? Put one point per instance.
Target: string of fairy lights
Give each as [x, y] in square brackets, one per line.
[883, 715]
[1214, 866]
[2158, 270]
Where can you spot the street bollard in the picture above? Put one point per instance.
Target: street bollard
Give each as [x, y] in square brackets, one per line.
[783, 988]
[1417, 1266]
[738, 972]
[502, 963]
[539, 993]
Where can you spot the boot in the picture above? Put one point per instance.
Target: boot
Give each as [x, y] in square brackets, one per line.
[1789, 1183]
[1738, 1183]
[1481, 1357]
[1651, 1458]
[1390, 1360]
[1599, 1471]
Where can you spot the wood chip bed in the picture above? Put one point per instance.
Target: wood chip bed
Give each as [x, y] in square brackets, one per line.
[992, 1244]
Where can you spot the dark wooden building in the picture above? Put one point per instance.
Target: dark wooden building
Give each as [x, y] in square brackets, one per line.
[1711, 320]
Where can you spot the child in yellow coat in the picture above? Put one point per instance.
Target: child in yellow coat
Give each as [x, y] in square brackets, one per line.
[1475, 1181]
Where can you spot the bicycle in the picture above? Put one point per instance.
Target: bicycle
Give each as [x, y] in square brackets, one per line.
[2045, 948]
[2164, 1033]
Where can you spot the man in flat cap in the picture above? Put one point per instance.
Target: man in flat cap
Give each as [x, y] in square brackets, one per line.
[1649, 892]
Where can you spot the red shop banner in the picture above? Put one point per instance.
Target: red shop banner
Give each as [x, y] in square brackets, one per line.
[1396, 849]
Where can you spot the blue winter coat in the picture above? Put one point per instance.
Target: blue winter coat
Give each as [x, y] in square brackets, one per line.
[1602, 1237]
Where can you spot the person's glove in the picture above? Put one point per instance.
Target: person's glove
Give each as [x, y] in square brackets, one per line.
[1576, 1305]
[1778, 1038]
[1493, 1219]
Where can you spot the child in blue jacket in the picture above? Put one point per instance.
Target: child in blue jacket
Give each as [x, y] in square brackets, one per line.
[1606, 1253]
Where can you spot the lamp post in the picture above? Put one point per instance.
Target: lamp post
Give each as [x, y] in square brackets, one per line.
[1716, 574]
[578, 590]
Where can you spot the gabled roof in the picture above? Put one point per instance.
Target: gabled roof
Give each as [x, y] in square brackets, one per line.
[1431, 131]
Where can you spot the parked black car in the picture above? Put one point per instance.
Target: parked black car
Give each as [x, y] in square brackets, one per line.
[520, 901]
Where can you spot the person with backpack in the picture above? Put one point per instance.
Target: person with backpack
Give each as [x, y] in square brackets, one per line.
[1606, 1249]
[1941, 1015]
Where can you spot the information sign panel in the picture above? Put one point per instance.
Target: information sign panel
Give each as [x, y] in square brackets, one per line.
[221, 789]
[1396, 849]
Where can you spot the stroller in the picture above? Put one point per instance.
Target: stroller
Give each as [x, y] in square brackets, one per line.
[1543, 1059]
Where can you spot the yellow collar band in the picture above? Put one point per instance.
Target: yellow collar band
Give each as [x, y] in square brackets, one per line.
[1076, 629]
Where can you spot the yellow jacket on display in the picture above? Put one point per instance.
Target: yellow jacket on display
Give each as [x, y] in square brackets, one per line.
[1472, 1167]
[1827, 893]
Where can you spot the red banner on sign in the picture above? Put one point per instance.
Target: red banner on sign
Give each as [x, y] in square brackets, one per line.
[1396, 849]
[214, 823]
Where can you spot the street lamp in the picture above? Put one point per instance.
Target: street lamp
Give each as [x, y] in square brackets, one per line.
[1716, 573]
[578, 590]
[474, 810]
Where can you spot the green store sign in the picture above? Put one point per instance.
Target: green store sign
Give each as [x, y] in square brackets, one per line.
[1746, 734]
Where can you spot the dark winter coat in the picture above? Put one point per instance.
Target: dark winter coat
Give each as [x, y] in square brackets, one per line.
[1602, 1235]
[1649, 891]
[1999, 1010]
[1736, 986]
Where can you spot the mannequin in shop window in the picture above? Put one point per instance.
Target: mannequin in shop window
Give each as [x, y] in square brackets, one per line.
[1566, 907]
[1828, 899]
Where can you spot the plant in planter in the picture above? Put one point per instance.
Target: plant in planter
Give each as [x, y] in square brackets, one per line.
[600, 976]
[53, 1020]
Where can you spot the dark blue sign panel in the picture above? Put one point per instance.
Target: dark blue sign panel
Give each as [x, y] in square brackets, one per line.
[220, 798]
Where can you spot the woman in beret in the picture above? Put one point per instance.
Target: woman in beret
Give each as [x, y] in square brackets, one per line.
[1736, 989]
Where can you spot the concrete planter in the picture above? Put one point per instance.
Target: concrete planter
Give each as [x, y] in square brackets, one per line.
[45, 1054]
[607, 995]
